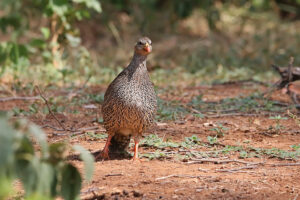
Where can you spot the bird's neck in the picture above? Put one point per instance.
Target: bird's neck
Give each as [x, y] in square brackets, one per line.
[137, 67]
[138, 61]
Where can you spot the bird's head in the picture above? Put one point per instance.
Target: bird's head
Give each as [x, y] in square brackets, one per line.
[143, 46]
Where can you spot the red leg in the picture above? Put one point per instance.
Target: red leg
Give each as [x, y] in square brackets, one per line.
[104, 153]
[136, 149]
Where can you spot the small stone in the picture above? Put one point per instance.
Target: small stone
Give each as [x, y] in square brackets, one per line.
[115, 191]
[125, 192]
[224, 190]
[137, 193]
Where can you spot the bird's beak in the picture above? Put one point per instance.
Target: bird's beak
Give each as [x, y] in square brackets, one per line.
[147, 48]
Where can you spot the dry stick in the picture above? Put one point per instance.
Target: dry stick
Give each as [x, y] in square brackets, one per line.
[254, 166]
[49, 126]
[290, 74]
[181, 176]
[238, 114]
[191, 109]
[221, 161]
[284, 164]
[49, 109]
[119, 174]
[76, 132]
[91, 193]
[242, 81]
[19, 98]
[237, 169]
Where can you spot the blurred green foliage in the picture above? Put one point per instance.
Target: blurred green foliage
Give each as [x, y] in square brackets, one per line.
[43, 37]
[55, 19]
[45, 174]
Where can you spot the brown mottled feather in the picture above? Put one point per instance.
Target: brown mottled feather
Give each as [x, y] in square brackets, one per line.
[130, 103]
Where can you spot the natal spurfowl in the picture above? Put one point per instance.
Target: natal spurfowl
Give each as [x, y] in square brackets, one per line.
[130, 103]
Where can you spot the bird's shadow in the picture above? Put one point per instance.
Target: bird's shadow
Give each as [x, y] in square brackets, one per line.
[115, 155]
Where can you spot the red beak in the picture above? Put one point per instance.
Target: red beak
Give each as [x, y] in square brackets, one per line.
[147, 49]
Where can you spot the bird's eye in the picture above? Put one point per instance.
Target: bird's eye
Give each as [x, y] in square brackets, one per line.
[140, 43]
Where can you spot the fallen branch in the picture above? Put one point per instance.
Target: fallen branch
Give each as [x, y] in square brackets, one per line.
[119, 174]
[49, 109]
[242, 82]
[19, 98]
[92, 193]
[181, 176]
[89, 128]
[284, 164]
[239, 114]
[237, 169]
[288, 74]
[191, 109]
[217, 161]
[52, 127]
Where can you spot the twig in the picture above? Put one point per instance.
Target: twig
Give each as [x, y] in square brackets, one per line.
[59, 134]
[180, 176]
[91, 193]
[19, 98]
[89, 128]
[238, 114]
[49, 109]
[191, 109]
[49, 126]
[284, 164]
[256, 165]
[216, 161]
[119, 174]
[237, 169]
[242, 81]
[290, 74]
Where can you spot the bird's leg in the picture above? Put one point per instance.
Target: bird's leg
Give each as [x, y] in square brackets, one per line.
[136, 148]
[104, 153]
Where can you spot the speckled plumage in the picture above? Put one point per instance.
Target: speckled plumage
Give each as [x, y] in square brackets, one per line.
[130, 103]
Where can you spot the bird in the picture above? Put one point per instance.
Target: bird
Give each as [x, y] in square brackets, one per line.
[293, 90]
[130, 103]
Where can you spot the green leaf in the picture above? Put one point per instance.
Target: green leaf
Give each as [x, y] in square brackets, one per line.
[46, 32]
[26, 171]
[60, 7]
[57, 152]
[71, 182]
[74, 41]
[38, 43]
[40, 137]
[17, 51]
[47, 178]
[87, 159]
[7, 135]
[94, 4]
[37, 196]
[6, 188]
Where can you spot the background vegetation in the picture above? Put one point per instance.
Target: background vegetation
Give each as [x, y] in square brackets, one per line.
[61, 41]
[70, 43]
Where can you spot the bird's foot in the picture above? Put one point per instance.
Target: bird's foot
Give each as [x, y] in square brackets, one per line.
[102, 155]
[136, 159]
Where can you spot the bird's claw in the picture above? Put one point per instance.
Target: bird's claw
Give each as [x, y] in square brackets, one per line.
[103, 156]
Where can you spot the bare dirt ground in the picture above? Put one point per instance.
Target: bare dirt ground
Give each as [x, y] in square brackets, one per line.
[204, 171]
